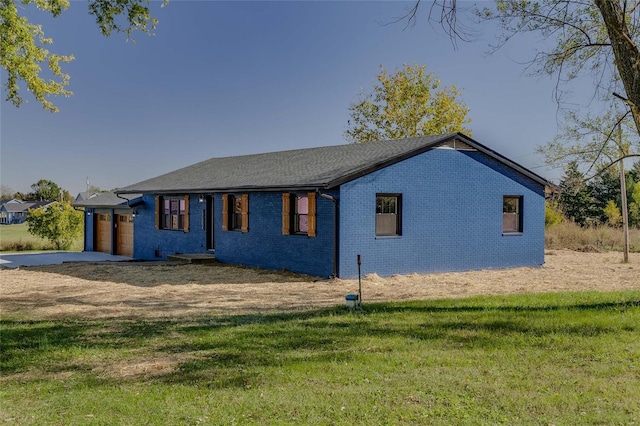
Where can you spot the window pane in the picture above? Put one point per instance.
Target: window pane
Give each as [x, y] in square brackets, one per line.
[166, 206]
[509, 222]
[386, 205]
[510, 205]
[386, 224]
[182, 206]
[389, 205]
[303, 205]
[303, 223]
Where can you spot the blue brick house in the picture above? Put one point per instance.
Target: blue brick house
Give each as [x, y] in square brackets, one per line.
[425, 204]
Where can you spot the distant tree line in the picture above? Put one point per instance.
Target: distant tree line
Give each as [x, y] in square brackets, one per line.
[598, 200]
[42, 190]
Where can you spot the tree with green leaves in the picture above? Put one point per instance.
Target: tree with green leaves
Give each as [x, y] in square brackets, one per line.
[576, 198]
[408, 102]
[579, 39]
[24, 48]
[47, 190]
[634, 206]
[603, 142]
[612, 212]
[552, 213]
[59, 223]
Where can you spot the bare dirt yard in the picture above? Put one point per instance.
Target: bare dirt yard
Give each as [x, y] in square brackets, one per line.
[151, 290]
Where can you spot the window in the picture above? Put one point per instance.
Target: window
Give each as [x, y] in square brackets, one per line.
[235, 212]
[511, 214]
[299, 214]
[388, 215]
[172, 213]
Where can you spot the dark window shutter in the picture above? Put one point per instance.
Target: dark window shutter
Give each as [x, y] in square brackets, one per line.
[158, 210]
[225, 212]
[286, 214]
[245, 213]
[186, 213]
[311, 232]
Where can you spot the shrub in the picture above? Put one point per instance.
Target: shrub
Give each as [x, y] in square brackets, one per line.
[614, 217]
[552, 214]
[58, 223]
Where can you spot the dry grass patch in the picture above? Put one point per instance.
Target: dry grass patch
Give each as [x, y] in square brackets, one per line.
[142, 290]
[569, 235]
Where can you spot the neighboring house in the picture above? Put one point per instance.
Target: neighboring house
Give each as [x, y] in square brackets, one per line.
[425, 204]
[16, 211]
[108, 225]
[85, 195]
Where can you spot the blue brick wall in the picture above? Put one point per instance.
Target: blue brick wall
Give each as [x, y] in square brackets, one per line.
[264, 245]
[147, 239]
[452, 217]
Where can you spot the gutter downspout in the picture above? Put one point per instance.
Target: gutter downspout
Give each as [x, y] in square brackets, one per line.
[126, 199]
[335, 231]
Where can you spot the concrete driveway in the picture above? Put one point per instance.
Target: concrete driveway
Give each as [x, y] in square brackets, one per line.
[13, 260]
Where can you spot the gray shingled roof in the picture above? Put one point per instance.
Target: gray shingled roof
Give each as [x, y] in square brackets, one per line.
[323, 167]
[106, 200]
[24, 206]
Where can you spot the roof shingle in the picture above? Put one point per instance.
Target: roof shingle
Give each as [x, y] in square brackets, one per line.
[323, 167]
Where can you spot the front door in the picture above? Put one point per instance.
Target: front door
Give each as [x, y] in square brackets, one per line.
[124, 235]
[208, 214]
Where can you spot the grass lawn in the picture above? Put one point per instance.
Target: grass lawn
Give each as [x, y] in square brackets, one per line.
[564, 358]
[17, 238]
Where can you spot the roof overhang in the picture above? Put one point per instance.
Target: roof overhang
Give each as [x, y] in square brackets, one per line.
[251, 188]
[92, 203]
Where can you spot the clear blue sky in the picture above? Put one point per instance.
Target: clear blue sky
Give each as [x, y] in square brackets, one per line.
[231, 78]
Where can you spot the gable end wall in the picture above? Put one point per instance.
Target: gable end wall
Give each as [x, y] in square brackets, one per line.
[451, 219]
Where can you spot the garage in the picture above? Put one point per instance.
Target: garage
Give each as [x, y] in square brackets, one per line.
[108, 222]
[103, 232]
[124, 235]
